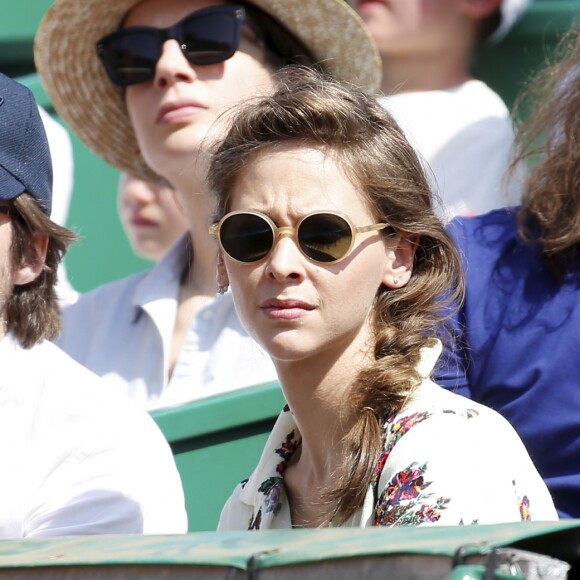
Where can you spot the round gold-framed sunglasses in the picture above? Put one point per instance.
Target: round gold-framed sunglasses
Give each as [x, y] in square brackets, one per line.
[324, 237]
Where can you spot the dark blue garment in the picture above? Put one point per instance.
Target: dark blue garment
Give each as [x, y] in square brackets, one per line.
[519, 346]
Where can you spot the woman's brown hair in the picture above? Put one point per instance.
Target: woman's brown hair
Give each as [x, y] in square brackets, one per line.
[32, 312]
[550, 137]
[311, 109]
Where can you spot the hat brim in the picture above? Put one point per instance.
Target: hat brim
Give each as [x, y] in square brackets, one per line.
[10, 187]
[95, 109]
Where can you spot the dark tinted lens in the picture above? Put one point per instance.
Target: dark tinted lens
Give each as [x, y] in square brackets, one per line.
[325, 237]
[246, 237]
[130, 56]
[210, 38]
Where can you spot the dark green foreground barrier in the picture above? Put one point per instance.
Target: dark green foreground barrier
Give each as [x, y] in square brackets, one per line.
[446, 553]
[217, 442]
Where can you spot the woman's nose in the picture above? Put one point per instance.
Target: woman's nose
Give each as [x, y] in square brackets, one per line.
[172, 66]
[285, 260]
[138, 192]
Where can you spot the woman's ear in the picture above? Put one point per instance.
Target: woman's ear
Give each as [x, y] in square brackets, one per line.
[33, 260]
[400, 266]
[222, 277]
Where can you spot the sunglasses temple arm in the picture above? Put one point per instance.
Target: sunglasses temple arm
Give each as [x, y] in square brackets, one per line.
[375, 227]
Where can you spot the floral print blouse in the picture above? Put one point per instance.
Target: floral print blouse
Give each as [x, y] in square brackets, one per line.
[446, 460]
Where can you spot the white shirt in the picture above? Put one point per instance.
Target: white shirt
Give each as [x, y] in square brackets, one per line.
[77, 458]
[446, 460]
[122, 331]
[465, 135]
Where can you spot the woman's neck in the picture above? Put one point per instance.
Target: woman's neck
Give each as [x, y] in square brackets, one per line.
[198, 284]
[319, 399]
[200, 276]
[407, 73]
[317, 391]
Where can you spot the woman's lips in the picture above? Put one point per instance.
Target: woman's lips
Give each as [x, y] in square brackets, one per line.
[179, 111]
[288, 309]
[141, 222]
[360, 3]
[369, 6]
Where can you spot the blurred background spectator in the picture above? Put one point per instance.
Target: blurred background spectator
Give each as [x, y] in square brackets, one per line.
[151, 216]
[459, 124]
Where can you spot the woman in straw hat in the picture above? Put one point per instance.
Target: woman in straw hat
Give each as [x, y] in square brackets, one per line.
[142, 83]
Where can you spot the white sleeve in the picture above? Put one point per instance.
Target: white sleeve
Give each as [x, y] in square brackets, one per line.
[120, 478]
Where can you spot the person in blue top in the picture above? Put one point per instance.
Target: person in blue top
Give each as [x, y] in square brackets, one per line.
[518, 344]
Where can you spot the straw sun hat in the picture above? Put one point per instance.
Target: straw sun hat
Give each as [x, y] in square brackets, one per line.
[94, 108]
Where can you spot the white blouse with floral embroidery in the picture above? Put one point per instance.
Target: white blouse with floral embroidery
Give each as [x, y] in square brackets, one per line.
[446, 460]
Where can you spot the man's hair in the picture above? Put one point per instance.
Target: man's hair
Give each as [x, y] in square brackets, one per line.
[32, 312]
[312, 110]
[550, 138]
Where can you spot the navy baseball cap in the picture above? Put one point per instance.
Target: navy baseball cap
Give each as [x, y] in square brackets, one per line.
[25, 162]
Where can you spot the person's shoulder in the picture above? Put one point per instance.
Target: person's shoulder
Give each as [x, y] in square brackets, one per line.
[472, 99]
[481, 96]
[94, 438]
[485, 231]
[46, 357]
[107, 294]
[63, 387]
[82, 397]
[161, 280]
[443, 411]
[65, 376]
[501, 218]
[95, 313]
[436, 400]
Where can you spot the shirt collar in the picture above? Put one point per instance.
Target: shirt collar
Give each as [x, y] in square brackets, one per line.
[163, 279]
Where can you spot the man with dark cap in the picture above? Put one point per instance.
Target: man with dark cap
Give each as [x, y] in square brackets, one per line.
[76, 458]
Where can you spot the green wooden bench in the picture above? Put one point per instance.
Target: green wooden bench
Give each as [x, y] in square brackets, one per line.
[446, 553]
[216, 443]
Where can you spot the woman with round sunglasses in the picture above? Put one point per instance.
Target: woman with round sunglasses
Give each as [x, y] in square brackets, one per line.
[142, 84]
[340, 269]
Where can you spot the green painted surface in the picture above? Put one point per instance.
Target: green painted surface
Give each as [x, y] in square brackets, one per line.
[507, 65]
[216, 443]
[215, 414]
[18, 24]
[282, 548]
